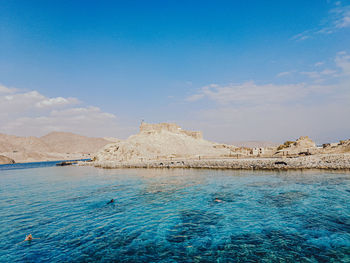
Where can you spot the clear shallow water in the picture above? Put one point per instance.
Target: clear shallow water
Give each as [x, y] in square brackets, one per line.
[171, 216]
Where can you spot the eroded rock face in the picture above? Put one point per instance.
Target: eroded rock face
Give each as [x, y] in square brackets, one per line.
[305, 142]
[5, 160]
[162, 141]
[341, 147]
[301, 146]
[170, 127]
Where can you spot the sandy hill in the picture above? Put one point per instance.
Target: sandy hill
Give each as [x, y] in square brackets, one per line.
[162, 141]
[65, 142]
[53, 146]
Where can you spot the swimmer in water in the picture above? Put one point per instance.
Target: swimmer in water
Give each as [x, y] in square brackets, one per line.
[218, 200]
[110, 202]
[28, 238]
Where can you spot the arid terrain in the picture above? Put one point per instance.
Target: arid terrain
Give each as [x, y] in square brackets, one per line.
[53, 146]
[167, 145]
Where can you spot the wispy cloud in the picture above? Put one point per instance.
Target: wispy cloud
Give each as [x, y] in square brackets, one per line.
[338, 19]
[250, 93]
[343, 61]
[279, 111]
[285, 73]
[319, 64]
[341, 16]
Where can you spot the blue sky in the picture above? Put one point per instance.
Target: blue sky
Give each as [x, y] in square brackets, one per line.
[238, 70]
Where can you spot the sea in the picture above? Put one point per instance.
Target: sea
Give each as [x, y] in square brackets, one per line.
[172, 215]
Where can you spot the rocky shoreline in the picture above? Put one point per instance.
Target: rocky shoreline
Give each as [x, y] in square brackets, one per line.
[322, 161]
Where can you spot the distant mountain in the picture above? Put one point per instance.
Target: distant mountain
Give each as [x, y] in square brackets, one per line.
[66, 142]
[254, 144]
[53, 146]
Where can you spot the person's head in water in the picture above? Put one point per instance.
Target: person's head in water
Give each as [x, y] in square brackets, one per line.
[29, 237]
[218, 200]
[110, 202]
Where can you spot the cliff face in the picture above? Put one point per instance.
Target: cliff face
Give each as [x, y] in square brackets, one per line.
[302, 145]
[162, 141]
[341, 147]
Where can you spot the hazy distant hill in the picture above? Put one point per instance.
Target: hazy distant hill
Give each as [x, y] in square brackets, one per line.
[53, 146]
[66, 142]
[254, 144]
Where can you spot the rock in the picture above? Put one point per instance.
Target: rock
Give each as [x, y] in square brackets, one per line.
[341, 147]
[305, 142]
[6, 160]
[302, 146]
[281, 162]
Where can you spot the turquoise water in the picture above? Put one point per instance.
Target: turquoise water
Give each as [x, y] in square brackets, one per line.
[171, 215]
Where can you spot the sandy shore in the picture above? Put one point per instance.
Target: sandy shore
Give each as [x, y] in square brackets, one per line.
[325, 161]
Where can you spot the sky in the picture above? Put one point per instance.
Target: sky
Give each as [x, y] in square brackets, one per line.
[236, 70]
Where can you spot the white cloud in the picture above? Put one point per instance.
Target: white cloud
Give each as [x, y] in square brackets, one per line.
[342, 60]
[320, 76]
[55, 102]
[276, 123]
[86, 120]
[311, 74]
[276, 112]
[284, 74]
[318, 64]
[341, 16]
[6, 90]
[31, 113]
[249, 93]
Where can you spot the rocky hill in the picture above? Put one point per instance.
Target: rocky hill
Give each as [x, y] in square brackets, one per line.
[53, 146]
[341, 147]
[162, 141]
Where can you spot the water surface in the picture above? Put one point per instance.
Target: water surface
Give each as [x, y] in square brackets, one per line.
[167, 215]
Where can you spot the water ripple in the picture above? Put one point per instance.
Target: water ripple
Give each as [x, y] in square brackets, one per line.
[173, 215]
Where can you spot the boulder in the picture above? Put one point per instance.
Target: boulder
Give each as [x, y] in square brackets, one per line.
[302, 146]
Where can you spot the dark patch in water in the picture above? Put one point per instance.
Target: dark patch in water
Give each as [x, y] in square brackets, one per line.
[194, 223]
[332, 223]
[276, 246]
[284, 199]
[270, 245]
